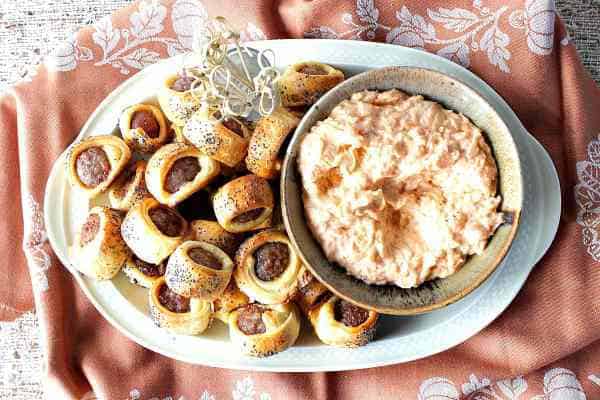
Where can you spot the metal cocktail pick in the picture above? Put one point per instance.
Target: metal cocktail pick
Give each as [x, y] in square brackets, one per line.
[232, 79]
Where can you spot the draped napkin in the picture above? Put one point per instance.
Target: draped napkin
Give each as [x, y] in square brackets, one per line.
[546, 345]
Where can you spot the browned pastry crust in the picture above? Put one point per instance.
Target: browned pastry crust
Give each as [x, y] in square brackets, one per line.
[115, 155]
[213, 233]
[278, 328]
[228, 301]
[178, 134]
[311, 292]
[205, 276]
[304, 83]
[99, 250]
[264, 152]
[195, 320]
[267, 268]
[142, 273]
[136, 137]
[177, 106]
[160, 169]
[143, 235]
[332, 331]
[236, 202]
[129, 188]
[225, 141]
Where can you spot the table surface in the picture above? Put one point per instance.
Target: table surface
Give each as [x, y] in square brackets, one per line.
[29, 29]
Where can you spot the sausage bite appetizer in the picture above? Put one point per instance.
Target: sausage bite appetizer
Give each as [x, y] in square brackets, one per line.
[267, 268]
[311, 292]
[340, 323]
[153, 231]
[223, 140]
[267, 142]
[176, 99]
[94, 163]
[129, 188]
[176, 171]
[99, 250]
[144, 128]
[231, 299]
[302, 84]
[141, 273]
[178, 314]
[261, 331]
[244, 204]
[198, 269]
[213, 233]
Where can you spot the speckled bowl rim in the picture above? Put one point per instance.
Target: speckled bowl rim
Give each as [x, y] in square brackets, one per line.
[289, 168]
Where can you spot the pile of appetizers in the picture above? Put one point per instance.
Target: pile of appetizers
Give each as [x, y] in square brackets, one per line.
[192, 215]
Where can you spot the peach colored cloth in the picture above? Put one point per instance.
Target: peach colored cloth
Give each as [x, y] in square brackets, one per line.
[546, 344]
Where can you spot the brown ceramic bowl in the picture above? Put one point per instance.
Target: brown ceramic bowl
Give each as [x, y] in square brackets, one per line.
[438, 293]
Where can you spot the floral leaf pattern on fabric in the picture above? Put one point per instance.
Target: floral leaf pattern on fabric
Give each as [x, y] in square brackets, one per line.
[587, 197]
[187, 16]
[35, 238]
[124, 50]
[456, 20]
[475, 384]
[457, 52]
[512, 388]
[242, 390]
[438, 388]
[494, 43]
[559, 384]
[562, 384]
[66, 56]
[105, 35]
[141, 58]
[147, 21]
[478, 30]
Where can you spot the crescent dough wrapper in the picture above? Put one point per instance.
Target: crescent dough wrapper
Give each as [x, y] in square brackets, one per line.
[192, 320]
[278, 328]
[137, 138]
[129, 188]
[198, 269]
[304, 83]
[228, 301]
[94, 163]
[224, 141]
[142, 273]
[153, 231]
[332, 331]
[178, 106]
[311, 292]
[264, 158]
[244, 204]
[274, 281]
[166, 177]
[213, 233]
[99, 250]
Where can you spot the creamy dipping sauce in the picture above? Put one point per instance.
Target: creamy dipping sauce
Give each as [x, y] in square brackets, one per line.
[397, 189]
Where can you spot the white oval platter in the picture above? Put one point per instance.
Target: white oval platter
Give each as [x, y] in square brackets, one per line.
[399, 339]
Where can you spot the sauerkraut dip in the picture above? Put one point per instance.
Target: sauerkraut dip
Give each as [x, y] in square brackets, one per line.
[397, 189]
